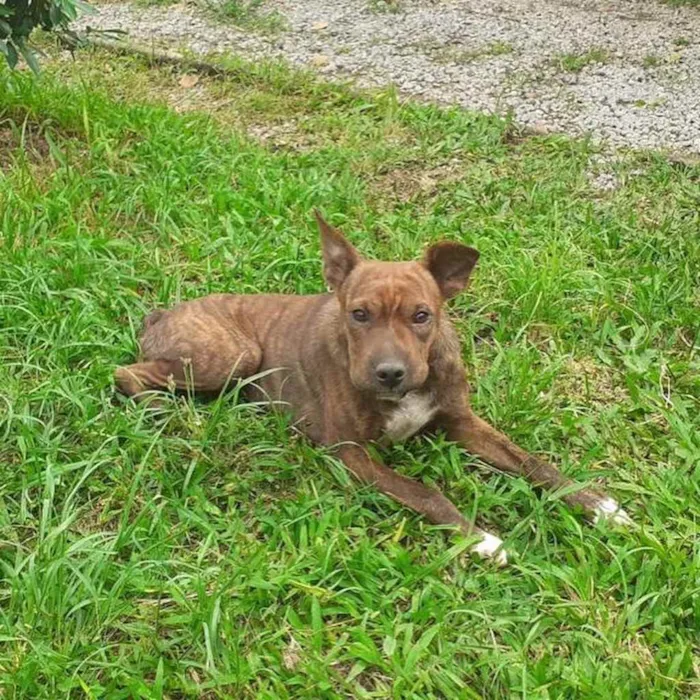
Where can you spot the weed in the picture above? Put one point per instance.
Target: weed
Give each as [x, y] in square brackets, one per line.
[385, 6]
[652, 60]
[247, 14]
[446, 53]
[682, 3]
[576, 62]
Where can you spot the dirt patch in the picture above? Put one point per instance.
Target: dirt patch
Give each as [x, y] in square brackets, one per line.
[406, 184]
[286, 135]
[276, 135]
[291, 657]
[97, 518]
[193, 96]
[588, 380]
[371, 679]
[26, 138]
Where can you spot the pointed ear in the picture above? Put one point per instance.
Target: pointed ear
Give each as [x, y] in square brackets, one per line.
[339, 256]
[450, 264]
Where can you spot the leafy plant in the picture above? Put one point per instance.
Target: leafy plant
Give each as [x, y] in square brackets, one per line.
[19, 18]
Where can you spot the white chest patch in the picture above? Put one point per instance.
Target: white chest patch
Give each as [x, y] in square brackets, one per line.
[409, 415]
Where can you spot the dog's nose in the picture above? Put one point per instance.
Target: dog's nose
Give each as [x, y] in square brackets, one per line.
[390, 374]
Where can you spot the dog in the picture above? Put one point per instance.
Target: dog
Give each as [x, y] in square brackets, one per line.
[375, 359]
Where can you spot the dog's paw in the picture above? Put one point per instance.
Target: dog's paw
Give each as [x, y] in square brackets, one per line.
[609, 509]
[491, 547]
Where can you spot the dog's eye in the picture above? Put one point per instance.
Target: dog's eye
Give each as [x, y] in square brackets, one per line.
[360, 315]
[421, 317]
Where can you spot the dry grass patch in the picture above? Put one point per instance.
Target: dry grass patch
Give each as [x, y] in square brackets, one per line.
[27, 139]
[584, 379]
[413, 182]
[286, 135]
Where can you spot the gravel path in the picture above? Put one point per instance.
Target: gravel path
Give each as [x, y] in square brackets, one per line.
[624, 70]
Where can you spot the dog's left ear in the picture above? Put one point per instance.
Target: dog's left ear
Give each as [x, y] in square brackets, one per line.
[339, 256]
[450, 264]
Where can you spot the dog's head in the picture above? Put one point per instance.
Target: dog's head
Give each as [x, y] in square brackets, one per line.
[392, 310]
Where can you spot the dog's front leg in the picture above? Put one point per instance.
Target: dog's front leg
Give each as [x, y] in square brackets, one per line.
[479, 438]
[429, 502]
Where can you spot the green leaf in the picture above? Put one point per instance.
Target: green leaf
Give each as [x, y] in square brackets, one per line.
[159, 682]
[29, 56]
[419, 649]
[11, 54]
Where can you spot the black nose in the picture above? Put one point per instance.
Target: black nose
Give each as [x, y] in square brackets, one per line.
[390, 374]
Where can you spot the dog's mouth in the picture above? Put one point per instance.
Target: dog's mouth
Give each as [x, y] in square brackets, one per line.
[391, 396]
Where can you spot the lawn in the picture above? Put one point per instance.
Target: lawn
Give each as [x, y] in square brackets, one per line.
[211, 553]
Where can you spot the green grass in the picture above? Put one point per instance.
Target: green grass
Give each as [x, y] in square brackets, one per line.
[652, 60]
[385, 6]
[247, 14]
[211, 552]
[576, 62]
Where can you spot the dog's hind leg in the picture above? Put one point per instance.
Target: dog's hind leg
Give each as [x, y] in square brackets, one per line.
[134, 380]
[195, 346]
[201, 373]
[479, 438]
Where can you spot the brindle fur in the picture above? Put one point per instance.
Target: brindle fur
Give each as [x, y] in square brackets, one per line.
[326, 364]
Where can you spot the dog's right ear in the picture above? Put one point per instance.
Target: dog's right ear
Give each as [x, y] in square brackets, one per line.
[339, 256]
[450, 264]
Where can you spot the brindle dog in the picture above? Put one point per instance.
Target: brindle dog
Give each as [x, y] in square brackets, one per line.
[375, 359]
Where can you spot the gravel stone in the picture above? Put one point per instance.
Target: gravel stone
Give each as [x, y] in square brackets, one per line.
[504, 56]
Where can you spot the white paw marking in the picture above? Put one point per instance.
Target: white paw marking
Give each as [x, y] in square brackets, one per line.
[609, 509]
[490, 547]
[409, 415]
